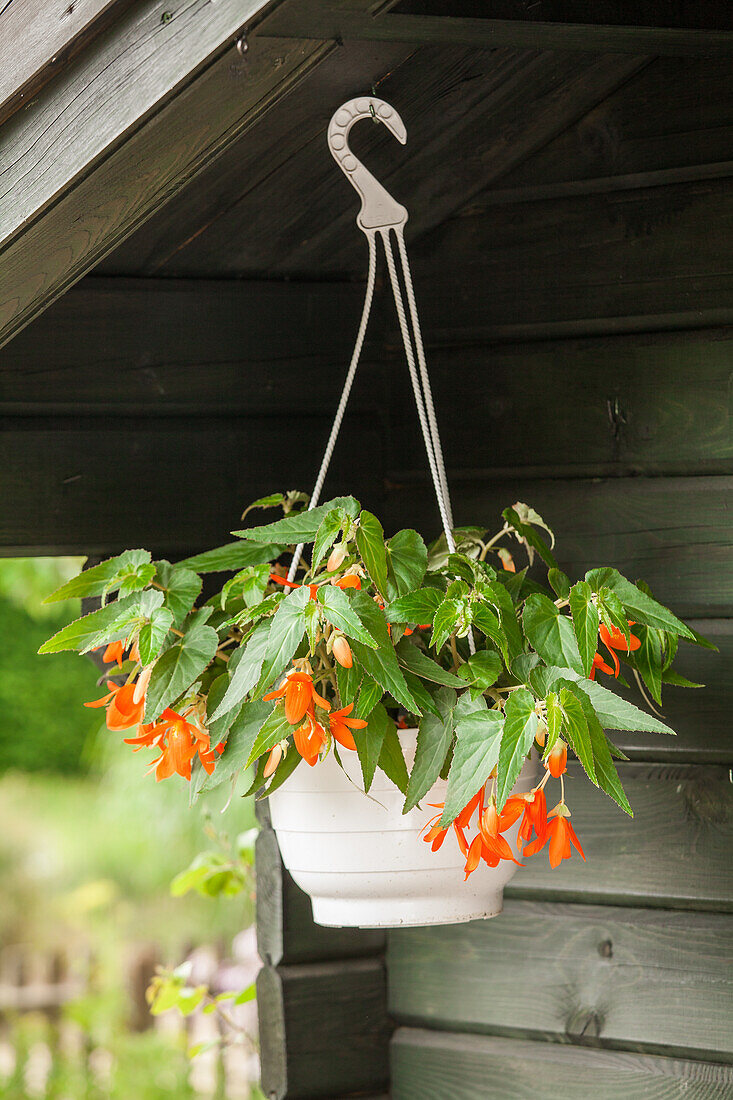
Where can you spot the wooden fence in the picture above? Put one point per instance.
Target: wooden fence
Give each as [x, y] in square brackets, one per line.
[39, 989]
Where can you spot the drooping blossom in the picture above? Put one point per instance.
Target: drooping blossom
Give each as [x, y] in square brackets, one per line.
[557, 759]
[532, 807]
[179, 740]
[561, 835]
[310, 738]
[348, 581]
[293, 584]
[274, 757]
[123, 710]
[115, 651]
[336, 557]
[614, 639]
[299, 693]
[341, 726]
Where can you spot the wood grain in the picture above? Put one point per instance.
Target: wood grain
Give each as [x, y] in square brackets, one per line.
[675, 533]
[656, 980]
[674, 853]
[324, 1029]
[430, 1065]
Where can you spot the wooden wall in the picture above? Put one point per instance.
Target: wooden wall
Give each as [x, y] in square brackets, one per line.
[572, 317]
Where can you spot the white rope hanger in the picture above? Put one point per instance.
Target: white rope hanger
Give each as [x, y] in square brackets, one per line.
[383, 216]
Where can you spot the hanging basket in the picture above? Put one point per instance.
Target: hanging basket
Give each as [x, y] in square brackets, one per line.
[364, 864]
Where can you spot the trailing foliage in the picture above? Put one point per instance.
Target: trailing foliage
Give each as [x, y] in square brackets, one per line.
[377, 634]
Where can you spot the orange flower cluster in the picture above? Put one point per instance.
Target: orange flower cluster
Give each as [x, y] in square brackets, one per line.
[301, 698]
[613, 640]
[489, 845]
[177, 739]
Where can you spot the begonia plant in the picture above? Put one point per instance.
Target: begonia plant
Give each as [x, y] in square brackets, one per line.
[488, 661]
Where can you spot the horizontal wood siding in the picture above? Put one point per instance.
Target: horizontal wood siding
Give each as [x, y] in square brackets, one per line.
[428, 1065]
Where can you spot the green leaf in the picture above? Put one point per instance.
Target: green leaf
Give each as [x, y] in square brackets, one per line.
[181, 588]
[560, 583]
[550, 633]
[520, 727]
[522, 666]
[488, 624]
[247, 995]
[533, 540]
[641, 607]
[179, 667]
[605, 769]
[287, 628]
[312, 624]
[575, 725]
[468, 704]
[348, 680]
[554, 719]
[153, 634]
[103, 578]
[244, 669]
[705, 643]
[340, 613]
[613, 712]
[369, 696]
[447, 618]
[381, 663]
[370, 544]
[407, 558]
[482, 669]
[218, 728]
[370, 743]
[127, 621]
[302, 527]
[235, 555]
[420, 693]
[476, 754]
[391, 758]
[612, 612]
[647, 660]
[412, 658]
[248, 584]
[416, 607]
[675, 680]
[328, 530]
[275, 728]
[434, 737]
[81, 632]
[586, 621]
[498, 597]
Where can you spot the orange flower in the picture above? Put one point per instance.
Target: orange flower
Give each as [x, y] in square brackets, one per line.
[299, 693]
[349, 581]
[208, 756]
[557, 760]
[434, 835]
[115, 652]
[599, 663]
[179, 741]
[309, 739]
[342, 652]
[561, 835]
[341, 726]
[291, 584]
[614, 639]
[123, 710]
[495, 847]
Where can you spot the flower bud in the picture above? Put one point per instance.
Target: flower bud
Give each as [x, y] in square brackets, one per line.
[276, 754]
[541, 735]
[557, 761]
[336, 557]
[342, 651]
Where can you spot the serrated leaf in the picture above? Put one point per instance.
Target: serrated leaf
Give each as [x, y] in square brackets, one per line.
[232, 556]
[391, 758]
[275, 728]
[127, 621]
[613, 712]
[559, 582]
[218, 727]
[412, 658]
[420, 693]
[370, 544]
[348, 680]
[153, 633]
[328, 530]
[482, 669]
[475, 755]
[551, 634]
[434, 736]
[381, 663]
[407, 558]
[497, 595]
[586, 621]
[245, 666]
[102, 578]
[370, 742]
[416, 607]
[520, 727]
[312, 624]
[487, 622]
[641, 607]
[81, 632]
[605, 769]
[338, 610]
[447, 618]
[179, 667]
[554, 720]
[575, 725]
[369, 696]
[287, 627]
[675, 680]
[300, 528]
[612, 612]
[181, 588]
[647, 660]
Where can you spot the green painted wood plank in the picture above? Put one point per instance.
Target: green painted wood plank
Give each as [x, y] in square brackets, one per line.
[154, 105]
[433, 1066]
[625, 261]
[674, 853]
[286, 932]
[186, 479]
[650, 979]
[675, 533]
[169, 347]
[324, 1029]
[629, 405]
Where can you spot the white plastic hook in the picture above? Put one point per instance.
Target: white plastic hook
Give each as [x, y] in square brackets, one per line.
[378, 209]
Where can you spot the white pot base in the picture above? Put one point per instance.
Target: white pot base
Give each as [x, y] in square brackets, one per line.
[402, 913]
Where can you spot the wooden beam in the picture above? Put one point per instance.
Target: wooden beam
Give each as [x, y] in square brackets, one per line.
[657, 980]
[38, 39]
[430, 1065]
[334, 23]
[128, 123]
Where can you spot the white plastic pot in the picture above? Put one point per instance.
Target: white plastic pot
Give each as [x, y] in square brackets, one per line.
[364, 863]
